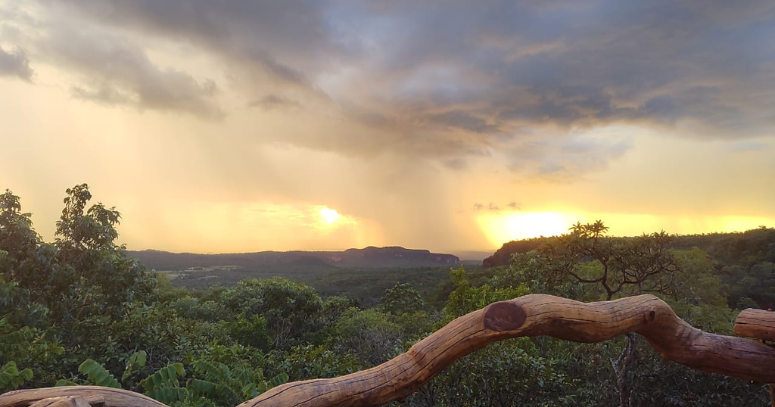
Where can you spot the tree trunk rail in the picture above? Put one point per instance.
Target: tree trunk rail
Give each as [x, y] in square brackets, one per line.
[756, 323]
[527, 316]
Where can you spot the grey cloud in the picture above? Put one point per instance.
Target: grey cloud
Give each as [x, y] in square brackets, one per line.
[15, 63]
[270, 102]
[564, 160]
[455, 163]
[517, 68]
[456, 80]
[607, 62]
[285, 73]
[115, 71]
[514, 205]
[493, 207]
[283, 40]
[464, 121]
[102, 94]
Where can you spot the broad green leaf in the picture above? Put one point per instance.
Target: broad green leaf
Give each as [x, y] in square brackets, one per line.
[97, 374]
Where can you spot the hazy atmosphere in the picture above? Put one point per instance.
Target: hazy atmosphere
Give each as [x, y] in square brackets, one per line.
[248, 126]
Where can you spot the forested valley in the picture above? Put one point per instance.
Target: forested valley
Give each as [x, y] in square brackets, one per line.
[78, 310]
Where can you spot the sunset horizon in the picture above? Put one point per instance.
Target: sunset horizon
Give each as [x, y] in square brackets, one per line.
[334, 125]
[499, 226]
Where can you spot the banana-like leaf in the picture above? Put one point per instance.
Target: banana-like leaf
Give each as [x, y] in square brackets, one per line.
[97, 374]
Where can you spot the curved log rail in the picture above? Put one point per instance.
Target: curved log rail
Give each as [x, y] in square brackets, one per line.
[756, 323]
[530, 315]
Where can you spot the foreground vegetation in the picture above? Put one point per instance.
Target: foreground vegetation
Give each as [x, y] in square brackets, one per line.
[78, 311]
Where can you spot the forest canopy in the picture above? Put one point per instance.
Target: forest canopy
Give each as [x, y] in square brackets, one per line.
[79, 310]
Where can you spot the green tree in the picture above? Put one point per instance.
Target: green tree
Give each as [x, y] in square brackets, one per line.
[613, 266]
[250, 331]
[62, 293]
[617, 266]
[19, 243]
[94, 275]
[26, 263]
[466, 298]
[369, 334]
[506, 373]
[310, 361]
[699, 296]
[402, 299]
[291, 310]
[334, 307]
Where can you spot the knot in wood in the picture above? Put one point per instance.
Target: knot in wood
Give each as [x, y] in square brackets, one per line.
[504, 316]
[650, 316]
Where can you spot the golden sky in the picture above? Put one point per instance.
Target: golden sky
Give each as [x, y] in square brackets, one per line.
[247, 126]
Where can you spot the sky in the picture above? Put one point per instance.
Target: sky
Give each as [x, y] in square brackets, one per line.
[239, 126]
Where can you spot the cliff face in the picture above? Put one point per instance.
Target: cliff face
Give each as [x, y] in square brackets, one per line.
[369, 257]
[394, 256]
[502, 257]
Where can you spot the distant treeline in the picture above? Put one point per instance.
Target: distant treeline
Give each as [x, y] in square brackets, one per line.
[743, 260]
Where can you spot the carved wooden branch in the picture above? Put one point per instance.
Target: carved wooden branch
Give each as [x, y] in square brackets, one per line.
[756, 323]
[530, 315]
[95, 396]
[533, 315]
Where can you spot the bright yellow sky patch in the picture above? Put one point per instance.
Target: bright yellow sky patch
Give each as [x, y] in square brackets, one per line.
[330, 216]
[503, 227]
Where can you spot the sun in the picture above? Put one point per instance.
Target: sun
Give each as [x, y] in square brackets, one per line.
[504, 227]
[329, 216]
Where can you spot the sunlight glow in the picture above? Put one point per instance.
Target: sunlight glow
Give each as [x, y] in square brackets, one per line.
[732, 224]
[504, 227]
[329, 216]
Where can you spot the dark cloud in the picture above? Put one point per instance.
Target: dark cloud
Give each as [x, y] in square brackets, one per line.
[493, 207]
[270, 102]
[454, 80]
[102, 94]
[513, 205]
[565, 159]
[115, 71]
[15, 63]
[609, 62]
[464, 121]
[455, 163]
[283, 41]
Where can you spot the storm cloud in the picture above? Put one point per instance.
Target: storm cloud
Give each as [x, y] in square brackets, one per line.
[116, 71]
[15, 63]
[450, 81]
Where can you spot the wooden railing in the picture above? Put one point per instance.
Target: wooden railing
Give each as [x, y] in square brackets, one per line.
[530, 315]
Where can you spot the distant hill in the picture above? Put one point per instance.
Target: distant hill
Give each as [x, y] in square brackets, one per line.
[366, 258]
[725, 248]
[502, 256]
[361, 274]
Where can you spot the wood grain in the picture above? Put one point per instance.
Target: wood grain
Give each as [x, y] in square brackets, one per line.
[93, 395]
[756, 323]
[65, 401]
[528, 316]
